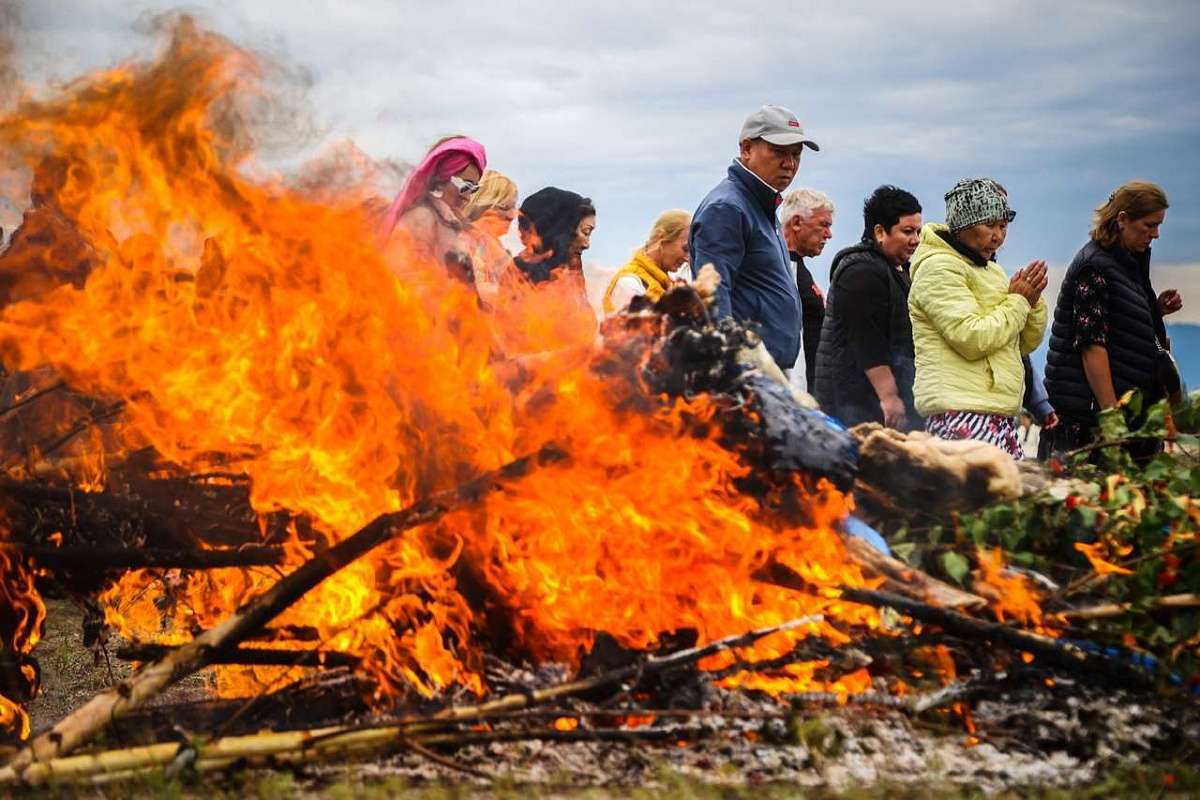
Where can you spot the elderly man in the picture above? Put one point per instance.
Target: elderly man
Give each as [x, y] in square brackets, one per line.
[735, 230]
[807, 217]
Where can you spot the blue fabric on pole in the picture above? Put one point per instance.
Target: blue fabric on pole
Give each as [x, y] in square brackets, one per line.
[1143, 661]
[856, 527]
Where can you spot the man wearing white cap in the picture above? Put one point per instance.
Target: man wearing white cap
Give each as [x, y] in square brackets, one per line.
[735, 229]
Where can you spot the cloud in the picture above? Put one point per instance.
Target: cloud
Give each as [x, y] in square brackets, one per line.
[638, 104]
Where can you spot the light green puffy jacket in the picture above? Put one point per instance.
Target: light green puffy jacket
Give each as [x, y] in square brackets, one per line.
[969, 333]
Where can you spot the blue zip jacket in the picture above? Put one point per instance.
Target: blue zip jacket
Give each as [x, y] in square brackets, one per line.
[735, 230]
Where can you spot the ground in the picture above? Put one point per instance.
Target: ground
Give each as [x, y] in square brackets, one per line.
[872, 755]
[71, 674]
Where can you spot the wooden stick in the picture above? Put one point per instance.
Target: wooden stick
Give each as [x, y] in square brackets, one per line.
[1124, 440]
[272, 749]
[47, 447]
[348, 738]
[1049, 650]
[24, 401]
[651, 665]
[250, 656]
[83, 723]
[415, 746]
[1106, 610]
[132, 558]
[908, 581]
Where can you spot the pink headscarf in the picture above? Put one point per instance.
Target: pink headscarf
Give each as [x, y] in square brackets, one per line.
[448, 158]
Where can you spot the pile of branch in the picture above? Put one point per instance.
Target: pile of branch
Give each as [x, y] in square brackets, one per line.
[150, 680]
[189, 523]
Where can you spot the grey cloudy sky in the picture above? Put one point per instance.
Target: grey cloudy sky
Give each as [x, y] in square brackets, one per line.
[638, 104]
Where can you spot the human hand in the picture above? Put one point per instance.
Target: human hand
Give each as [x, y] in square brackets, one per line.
[894, 413]
[1170, 301]
[1051, 421]
[1029, 281]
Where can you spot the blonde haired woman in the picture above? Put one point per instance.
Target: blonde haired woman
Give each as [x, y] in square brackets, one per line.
[492, 210]
[494, 207]
[647, 273]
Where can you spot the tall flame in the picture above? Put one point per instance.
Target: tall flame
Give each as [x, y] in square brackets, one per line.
[22, 623]
[234, 313]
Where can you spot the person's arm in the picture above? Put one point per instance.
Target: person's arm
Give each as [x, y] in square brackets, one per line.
[1088, 293]
[940, 291]
[862, 299]
[884, 383]
[1099, 374]
[716, 238]
[1037, 399]
[1035, 327]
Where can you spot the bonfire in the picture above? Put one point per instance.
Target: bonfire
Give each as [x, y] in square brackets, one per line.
[378, 512]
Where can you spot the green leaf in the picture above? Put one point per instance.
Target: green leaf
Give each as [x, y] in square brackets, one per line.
[955, 565]
[1132, 400]
[1024, 559]
[1112, 424]
[904, 550]
[1159, 469]
[1156, 421]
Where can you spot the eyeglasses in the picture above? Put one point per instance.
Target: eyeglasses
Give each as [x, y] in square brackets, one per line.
[465, 187]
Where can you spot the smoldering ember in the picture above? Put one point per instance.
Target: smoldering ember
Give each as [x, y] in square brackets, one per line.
[277, 497]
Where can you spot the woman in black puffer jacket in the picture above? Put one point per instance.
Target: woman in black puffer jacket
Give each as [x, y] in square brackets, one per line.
[1108, 335]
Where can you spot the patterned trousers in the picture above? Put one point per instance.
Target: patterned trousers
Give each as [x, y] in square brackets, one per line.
[994, 429]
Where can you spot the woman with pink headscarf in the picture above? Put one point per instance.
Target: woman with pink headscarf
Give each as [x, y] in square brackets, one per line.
[426, 219]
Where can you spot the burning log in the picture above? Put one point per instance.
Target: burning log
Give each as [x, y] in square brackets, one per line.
[907, 581]
[86, 721]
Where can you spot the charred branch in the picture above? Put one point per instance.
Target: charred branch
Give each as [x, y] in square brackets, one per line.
[249, 656]
[83, 723]
[1049, 650]
[100, 558]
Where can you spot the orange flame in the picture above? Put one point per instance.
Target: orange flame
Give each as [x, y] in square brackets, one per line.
[1012, 595]
[240, 315]
[1096, 554]
[22, 623]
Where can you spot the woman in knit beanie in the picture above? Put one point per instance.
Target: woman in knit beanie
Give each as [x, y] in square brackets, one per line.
[971, 322]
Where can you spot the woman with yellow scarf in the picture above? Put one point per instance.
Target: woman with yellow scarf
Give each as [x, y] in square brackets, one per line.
[647, 273]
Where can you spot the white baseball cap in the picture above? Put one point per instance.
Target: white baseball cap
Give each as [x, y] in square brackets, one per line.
[776, 125]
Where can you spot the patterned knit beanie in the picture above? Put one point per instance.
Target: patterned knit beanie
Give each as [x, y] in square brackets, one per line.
[976, 200]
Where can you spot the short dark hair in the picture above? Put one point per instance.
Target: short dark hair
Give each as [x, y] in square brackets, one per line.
[885, 207]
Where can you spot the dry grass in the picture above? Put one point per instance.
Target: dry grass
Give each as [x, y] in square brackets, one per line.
[71, 673]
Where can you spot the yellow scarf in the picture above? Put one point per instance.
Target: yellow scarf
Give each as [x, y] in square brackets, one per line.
[644, 269]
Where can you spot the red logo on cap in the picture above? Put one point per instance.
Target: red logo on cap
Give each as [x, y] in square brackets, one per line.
[793, 123]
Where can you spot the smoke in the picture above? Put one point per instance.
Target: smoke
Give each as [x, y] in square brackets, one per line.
[11, 186]
[10, 21]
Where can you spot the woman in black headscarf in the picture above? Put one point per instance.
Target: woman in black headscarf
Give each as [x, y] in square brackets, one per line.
[556, 227]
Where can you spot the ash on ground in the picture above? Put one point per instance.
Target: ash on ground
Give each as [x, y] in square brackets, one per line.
[1068, 735]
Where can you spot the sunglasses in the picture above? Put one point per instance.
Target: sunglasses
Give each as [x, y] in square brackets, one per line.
[465, 187]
